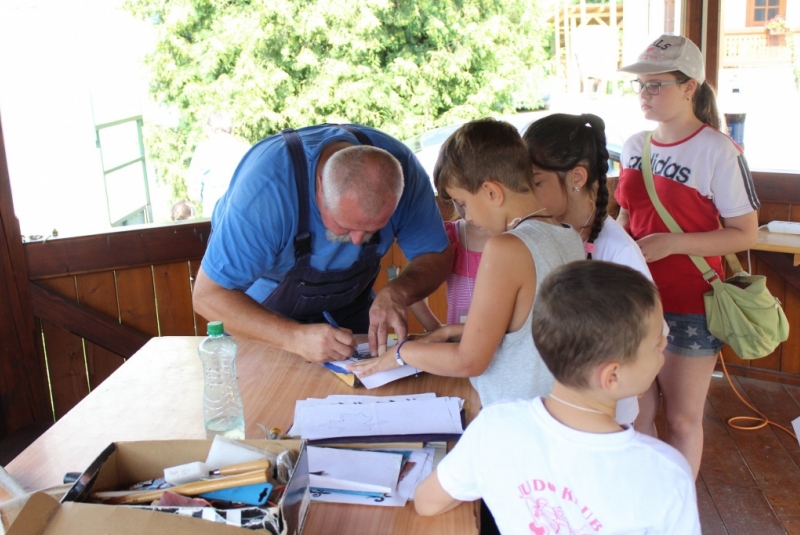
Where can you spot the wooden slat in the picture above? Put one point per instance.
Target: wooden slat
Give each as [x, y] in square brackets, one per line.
[437, 301]
[777, 186]
[98, 292]
[777, 286]
[137, 300]
[737, 497]
[24, 397]
[117, 249]
[64, 349]
[774, 474]
[773, 211]
[790, 363]
[200, 323]
[710, 519]
[83, 321]
[174, 299]
[775, 401]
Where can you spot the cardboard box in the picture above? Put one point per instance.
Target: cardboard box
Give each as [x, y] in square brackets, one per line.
[125, 463]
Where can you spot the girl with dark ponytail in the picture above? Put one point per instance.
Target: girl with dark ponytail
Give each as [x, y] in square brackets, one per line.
[570, 163]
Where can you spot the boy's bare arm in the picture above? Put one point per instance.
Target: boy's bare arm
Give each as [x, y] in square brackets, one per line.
[431, 499]
[503, 297]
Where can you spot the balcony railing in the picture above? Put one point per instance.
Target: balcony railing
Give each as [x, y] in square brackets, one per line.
[755, 47]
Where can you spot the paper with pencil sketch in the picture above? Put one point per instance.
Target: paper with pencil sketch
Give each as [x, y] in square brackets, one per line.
[344, 399]
[371, 471]
[377, 379]
[425, 416]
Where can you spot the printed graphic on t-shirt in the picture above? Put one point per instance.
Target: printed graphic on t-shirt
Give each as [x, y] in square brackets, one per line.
[665, 167]
[555, 510]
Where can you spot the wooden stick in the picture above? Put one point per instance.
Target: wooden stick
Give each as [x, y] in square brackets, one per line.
[193, 489]
[241, 468]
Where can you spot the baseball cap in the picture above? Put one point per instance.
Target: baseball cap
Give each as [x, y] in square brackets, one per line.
[670, 53]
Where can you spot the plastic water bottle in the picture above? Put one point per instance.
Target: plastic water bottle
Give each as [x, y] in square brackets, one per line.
[222, 403]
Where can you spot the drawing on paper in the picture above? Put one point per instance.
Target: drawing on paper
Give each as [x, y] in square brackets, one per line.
[354, 422]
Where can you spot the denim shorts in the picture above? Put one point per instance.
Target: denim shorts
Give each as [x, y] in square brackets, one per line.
[689, 336]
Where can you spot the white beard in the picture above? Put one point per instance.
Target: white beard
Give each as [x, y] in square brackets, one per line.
[345, 238]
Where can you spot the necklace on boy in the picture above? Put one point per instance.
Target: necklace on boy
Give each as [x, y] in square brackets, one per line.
[517, 220]
[585, 409]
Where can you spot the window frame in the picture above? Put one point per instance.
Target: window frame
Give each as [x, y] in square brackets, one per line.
[751, 12]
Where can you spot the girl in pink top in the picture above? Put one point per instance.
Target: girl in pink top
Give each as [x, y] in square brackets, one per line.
[468, 241]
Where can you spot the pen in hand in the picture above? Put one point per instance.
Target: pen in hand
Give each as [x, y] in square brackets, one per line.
[335, 325]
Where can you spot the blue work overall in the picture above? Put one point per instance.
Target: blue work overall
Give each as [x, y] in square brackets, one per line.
[305, 291]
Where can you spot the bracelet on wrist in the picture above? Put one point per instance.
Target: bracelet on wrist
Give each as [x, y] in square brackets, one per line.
[397, 357]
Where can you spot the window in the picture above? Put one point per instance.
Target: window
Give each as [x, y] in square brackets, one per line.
[759, 12]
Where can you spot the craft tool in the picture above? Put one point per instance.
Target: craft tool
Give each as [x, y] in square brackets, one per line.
[191, 489]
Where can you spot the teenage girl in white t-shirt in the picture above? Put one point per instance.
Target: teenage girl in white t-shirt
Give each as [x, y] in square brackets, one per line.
[700, 176]
[570, 162]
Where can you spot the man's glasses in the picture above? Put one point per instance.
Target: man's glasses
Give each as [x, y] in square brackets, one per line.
[652, 87]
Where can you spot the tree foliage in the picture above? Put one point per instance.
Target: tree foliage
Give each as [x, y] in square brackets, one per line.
[403, 66]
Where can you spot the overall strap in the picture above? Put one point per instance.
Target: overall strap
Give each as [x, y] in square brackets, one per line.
[302, 240]
[360, 136]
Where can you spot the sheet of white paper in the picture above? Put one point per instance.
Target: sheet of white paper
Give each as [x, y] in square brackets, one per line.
[354, 469]
[380, 378]
[345, 399]
[421, 458]
[439, 415]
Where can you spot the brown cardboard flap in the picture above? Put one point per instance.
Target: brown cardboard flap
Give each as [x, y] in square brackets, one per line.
[33, 518]
[43, 515]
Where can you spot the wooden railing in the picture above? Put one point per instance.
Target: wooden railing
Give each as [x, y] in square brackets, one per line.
[98, 298]
[755, 47]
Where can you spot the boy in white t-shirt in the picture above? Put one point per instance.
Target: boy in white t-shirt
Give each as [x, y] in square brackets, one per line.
[562, 464]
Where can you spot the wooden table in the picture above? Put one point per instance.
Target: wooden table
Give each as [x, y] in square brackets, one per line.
[779, 243]
[157, 395]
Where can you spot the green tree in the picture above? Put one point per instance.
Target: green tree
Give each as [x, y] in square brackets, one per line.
[403, 66]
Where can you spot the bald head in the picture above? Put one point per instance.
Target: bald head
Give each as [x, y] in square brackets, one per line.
[367, 174]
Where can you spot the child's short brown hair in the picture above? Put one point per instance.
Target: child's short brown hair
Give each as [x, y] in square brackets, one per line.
[483, 150]
[589, 312]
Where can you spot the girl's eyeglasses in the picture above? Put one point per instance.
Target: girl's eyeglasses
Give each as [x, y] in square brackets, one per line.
[652, 87]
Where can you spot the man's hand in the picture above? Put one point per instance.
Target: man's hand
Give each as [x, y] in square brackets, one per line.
[388, 311]
[367, 367]
[323, 343]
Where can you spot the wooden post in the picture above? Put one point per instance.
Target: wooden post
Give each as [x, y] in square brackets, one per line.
[23, 386]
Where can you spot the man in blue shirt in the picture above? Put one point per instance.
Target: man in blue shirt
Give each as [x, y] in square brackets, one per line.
[302, 229]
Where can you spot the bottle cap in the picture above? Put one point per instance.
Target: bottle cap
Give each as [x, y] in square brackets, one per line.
[215, 328]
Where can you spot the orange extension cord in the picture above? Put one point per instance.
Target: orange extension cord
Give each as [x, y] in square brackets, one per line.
[762, 420]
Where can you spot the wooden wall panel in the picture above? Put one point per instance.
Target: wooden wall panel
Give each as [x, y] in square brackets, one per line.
[777, 286]
[790, 361]
[65, 357]
[437, 300]
[773, 211]
[200, 323]
[173, 292]
[137, 300]
[24, 399]
[98, 292]
[117, 249]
